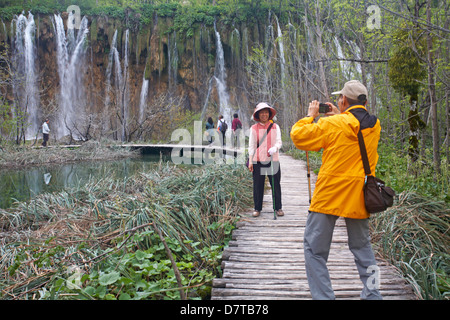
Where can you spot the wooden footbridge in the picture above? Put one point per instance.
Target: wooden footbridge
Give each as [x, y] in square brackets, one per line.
[265, 261]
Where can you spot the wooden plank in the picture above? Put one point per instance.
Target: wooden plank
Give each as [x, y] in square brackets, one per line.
[265, 260]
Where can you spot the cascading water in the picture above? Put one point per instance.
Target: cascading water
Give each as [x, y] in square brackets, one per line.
[281, 48]
[121, 91]
[71, 63]
[143, 98]
[124, 88]
[283, 72]
[173, 61]
[109, 69]
[25, 83]
[268, 41]
[220, 76]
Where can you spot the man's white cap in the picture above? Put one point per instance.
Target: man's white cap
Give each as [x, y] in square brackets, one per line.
[353, 89]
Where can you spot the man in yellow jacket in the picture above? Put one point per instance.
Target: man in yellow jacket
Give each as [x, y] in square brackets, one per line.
[339, 188]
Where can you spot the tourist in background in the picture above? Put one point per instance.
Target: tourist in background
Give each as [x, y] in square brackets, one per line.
[45, 132]
[222, 127]
[236, 126]
[210, 129]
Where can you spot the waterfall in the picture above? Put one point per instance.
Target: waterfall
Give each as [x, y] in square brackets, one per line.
[25, 83]
[143, 98]
[283, 75]
[121, 78]
[268, 41]
[173, 61]
[220, 76]
[109, 70]
[125, 89]
[281, 48]
[71, 63]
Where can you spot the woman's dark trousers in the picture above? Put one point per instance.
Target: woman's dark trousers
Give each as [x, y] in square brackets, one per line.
[260, 170]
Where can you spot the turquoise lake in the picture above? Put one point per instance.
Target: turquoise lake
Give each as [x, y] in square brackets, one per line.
[24, 184]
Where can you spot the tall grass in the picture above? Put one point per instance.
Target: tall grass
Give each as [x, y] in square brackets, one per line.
[107, 226]
[414, 236]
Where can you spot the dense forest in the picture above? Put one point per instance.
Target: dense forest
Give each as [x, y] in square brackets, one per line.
[280, 51]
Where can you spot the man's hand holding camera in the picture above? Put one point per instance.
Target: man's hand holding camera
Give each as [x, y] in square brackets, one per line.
[315, 108]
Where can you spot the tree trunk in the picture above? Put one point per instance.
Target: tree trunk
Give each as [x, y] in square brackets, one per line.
[433, 103]
[415, 125]
[322, 55]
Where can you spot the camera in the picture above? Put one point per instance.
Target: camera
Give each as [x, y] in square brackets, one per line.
[324, 108]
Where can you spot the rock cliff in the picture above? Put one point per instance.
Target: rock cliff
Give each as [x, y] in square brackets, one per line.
[178, 69]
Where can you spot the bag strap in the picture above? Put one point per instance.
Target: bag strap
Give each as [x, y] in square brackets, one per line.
[258, 143]
[362, 146]
[364, 157]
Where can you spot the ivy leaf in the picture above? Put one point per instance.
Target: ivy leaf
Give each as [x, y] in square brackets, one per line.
[109, 278]
[141, 255]
[124, 296]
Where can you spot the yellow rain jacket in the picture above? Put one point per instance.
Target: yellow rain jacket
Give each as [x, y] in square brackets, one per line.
[339, 187]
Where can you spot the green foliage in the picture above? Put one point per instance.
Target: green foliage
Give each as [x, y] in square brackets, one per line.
[195, 209]
[8, 13]
[187, 18]
[405, 69]
[7, 122]
[127, 273]
[110, 11]
[413, 235]
[402, 175]
[167, 9]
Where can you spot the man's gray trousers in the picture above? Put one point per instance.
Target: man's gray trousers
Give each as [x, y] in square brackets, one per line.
[317, 241]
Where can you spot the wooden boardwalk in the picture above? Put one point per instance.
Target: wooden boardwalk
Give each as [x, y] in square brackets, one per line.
[265, 261]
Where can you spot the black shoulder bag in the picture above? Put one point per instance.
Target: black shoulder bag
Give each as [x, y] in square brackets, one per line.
[377, 196]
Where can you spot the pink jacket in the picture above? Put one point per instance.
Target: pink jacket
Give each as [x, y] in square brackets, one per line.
[273, 139]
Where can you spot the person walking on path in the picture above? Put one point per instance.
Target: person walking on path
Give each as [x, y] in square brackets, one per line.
[236, 126]
[339, 187]
[209, 129]
[222, 127]
[264, 145]
[45, 132]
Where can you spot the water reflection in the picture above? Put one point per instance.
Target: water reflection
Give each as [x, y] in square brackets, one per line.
[21, 185]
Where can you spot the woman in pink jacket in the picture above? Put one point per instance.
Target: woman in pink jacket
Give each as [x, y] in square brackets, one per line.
[264, 145]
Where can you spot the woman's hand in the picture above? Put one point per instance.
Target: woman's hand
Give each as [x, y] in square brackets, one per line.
[250, 166]
[272, 151]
